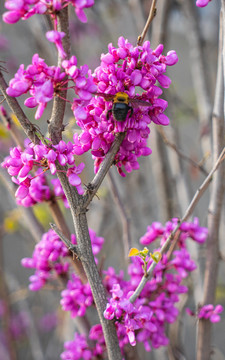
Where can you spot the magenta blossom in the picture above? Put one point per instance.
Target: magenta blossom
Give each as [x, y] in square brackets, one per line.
[20, 165]
[188, 230]
[51, 259]
[146, 319]
[82, 348]
[207, 312]
[56, 38]
[77, 297]
[138, 72]
[40, 80]
[47, 260]
[43, 82]
[210, 312]
[202, 3]
[24, 9]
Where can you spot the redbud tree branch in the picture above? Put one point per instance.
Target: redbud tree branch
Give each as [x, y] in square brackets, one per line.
[78, 205]
[216, 200]
[187, 214]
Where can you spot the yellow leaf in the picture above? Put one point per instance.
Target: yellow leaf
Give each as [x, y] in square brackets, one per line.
[133, 252]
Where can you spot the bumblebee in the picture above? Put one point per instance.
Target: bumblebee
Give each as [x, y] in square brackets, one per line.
[121, 105]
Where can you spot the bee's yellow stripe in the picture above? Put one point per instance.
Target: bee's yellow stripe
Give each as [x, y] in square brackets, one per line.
[121, 97]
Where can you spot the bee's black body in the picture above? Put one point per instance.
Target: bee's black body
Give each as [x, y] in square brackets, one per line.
[119, 111]
[121, 105]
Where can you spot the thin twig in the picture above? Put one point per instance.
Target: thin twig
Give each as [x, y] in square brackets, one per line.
[151, 16]
[180, 153]
[187, 214]
[73, 248]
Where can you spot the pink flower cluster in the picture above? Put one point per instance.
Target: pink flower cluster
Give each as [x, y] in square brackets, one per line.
[145, 320]
[188, 229]
[24, 9]
[33, 188]
[130, 318]
[125, 69]
[49, 261]
[77, 297]
[202, 3]
[208, 312]
[43, 82]
[79, 348]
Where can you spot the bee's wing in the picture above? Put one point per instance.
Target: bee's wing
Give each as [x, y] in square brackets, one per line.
[107, 97]
[139, 102]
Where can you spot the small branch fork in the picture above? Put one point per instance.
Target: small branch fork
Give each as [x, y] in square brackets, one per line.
[152, 14]
[71, 247]
[187, 214]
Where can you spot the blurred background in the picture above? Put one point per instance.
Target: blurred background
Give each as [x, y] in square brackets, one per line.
[159, 191]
